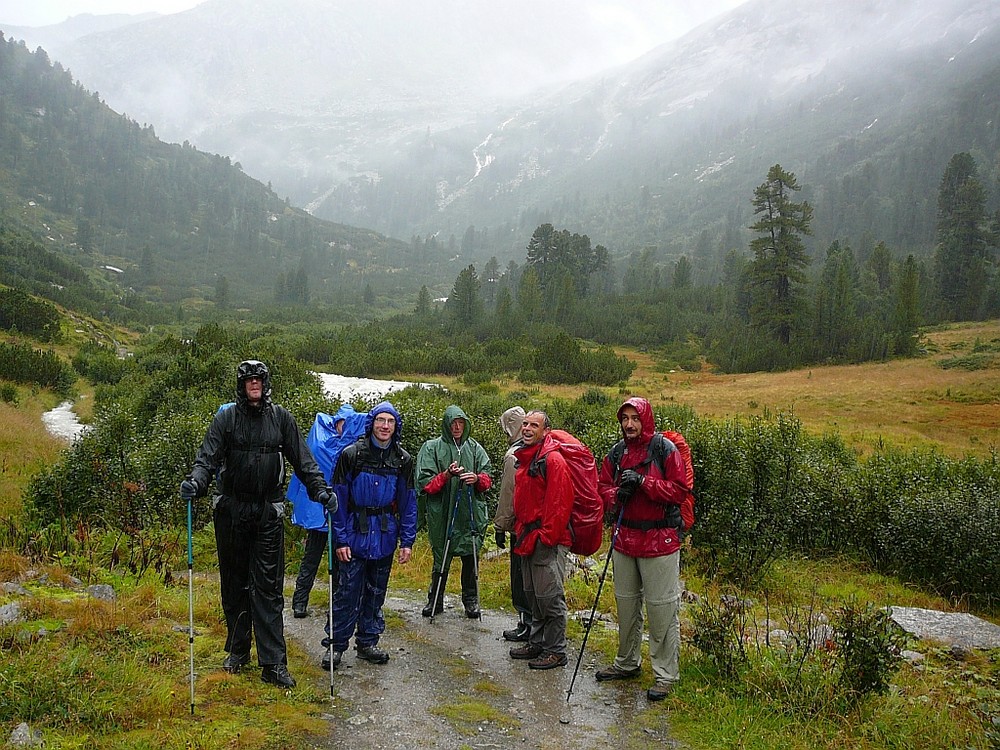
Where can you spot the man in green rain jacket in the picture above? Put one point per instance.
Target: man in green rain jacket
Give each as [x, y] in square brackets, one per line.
[453, 475]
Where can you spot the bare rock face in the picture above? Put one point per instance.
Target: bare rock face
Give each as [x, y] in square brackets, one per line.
[952, 628]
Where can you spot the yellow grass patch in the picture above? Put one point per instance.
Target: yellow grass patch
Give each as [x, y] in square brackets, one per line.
[908, 402]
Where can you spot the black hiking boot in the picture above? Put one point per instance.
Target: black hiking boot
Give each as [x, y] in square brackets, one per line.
[233, 663]
[331, 664]
[277, 674]
[428, 610]
[372, 654]
[520, 633]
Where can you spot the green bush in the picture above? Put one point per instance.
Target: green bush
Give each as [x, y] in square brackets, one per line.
[869, 648]
[763, 486]
[806, 666]
[22, 364]
[99, 364]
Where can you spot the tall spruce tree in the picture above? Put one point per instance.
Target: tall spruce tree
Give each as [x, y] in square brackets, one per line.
[960, 260]
[776, 273]
[464, 304]
[906, 316]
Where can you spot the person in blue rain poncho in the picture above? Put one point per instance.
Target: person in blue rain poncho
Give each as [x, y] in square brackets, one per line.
[329, 435]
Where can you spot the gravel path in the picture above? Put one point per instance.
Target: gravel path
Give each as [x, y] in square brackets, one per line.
[452, 684]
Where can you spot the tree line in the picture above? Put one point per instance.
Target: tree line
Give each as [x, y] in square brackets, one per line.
[769, 310]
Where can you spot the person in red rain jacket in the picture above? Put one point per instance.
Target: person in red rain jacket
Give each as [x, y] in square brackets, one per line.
[543, 501]
[646, 496]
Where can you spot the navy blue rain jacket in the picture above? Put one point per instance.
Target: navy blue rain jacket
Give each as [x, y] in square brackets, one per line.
[378, 503]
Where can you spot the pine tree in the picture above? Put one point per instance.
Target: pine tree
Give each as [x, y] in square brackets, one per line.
[776, 274]
[464, 303]
[222, 292]
[682, 273]
[529, 296]
[423, 309]
[906, 316]
[960, 260]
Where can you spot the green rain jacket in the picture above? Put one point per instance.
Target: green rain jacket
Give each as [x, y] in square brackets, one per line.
[439, 490]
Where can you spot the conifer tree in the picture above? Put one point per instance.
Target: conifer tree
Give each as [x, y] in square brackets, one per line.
[464, 303]
[776, 273]
[960, 260]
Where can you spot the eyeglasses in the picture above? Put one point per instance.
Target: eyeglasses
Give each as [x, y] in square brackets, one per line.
[385, 420]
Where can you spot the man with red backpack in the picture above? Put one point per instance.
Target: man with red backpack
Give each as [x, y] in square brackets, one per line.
[543, 504]
[643, 492]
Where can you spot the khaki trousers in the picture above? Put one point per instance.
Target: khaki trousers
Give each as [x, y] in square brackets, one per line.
[657, 581]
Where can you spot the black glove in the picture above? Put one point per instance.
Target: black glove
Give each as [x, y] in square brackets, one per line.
[623, 495]
[611, 515]
[328, 499]
[631, 479]
[189, 490]
[501, 537]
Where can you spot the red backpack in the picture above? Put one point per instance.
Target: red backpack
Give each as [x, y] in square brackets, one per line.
[658, 451]
[586, 519]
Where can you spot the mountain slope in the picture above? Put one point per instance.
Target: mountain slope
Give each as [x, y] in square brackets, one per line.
[164, 221]
[866, 101]
[437, 116]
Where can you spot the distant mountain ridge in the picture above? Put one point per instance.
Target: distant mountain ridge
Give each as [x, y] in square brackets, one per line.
[373, 116]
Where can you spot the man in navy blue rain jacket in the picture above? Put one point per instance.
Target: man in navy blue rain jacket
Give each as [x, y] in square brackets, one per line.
[378, 511]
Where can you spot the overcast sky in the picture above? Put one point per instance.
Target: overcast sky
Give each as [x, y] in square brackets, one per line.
[45, 12]
[676, 16]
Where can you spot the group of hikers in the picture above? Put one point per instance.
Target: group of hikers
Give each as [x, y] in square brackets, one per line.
[357, 489]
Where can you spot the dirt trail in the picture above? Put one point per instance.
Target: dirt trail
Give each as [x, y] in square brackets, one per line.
[439, 673]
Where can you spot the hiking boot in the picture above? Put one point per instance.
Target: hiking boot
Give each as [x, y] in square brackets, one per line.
[372, 654]
[659, 691]
[527, 651]
[277, 674]
[233, 663]
[548, 661]
[299, 612]
[427, 612]
[327, 664]
[473, 613]
[615, 673]
[519, 634]
[437, 585]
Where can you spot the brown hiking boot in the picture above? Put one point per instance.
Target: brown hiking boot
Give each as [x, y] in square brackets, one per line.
[527, 651]
[548, 661]
[614, 673]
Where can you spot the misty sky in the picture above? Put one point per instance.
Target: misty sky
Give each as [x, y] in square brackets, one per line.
[637, 36]
[45, 12]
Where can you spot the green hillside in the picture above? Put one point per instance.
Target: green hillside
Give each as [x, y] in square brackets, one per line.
[112, 212]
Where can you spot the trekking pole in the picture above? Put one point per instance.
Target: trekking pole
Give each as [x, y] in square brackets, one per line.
[191, 599]
[600, 585]
[475, 532]
[444, 559]
[329, 571]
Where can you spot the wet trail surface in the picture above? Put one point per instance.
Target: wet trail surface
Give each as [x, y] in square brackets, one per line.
[452, 684]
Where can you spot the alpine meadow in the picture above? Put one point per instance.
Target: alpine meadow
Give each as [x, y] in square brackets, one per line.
[781, 228]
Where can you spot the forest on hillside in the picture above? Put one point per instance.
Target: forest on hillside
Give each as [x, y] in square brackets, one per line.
[99, 215]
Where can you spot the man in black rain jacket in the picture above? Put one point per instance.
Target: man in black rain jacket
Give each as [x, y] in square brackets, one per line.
[244, 450]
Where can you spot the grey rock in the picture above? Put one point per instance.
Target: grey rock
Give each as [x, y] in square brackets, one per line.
[102, 591]
[10, 613]
[23, 736]
[913, 657]
[779, 637]
[16, 589]
[950, 628]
